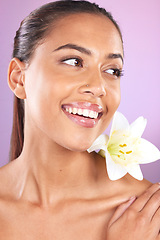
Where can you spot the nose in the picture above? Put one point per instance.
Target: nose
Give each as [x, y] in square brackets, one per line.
[94, 85]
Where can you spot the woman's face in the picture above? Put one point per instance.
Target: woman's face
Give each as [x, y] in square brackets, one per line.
[73, 81]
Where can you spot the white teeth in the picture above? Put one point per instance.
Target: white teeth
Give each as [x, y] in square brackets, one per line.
[82, 112]
[86, 112]
[92, 114]
[75, 110]
[96, 114]
[70, 110]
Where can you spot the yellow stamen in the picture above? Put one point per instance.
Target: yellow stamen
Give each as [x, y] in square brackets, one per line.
[128, 152]
[121, 151]
[124, 145]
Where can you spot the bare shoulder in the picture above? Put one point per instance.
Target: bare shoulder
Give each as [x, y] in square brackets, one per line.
[6, 193]
[122, 188]
[9, 175]
[134, 186]
[128, 186]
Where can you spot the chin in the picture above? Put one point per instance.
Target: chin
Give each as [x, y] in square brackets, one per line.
[82, 147]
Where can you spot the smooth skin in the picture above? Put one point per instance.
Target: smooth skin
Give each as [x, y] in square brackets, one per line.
[55, 189]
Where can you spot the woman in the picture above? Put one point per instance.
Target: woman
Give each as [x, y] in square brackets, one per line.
[65, 74]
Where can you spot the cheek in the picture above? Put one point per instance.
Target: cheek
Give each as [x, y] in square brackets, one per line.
[112, 102]
[39, 100]
[45, 94]
[114, 97]
[117, 98]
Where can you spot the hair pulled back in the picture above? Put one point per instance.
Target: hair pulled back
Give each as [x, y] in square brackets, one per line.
[31, 33]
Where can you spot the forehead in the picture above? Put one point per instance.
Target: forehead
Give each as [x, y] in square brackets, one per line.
[87, 29]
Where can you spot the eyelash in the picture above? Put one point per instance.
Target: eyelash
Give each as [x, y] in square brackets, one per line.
[79, 61]
[117, 72]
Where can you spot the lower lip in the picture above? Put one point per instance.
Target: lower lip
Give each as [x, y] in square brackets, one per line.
[82, 121]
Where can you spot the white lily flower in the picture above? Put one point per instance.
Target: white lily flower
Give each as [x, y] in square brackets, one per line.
[124, 150]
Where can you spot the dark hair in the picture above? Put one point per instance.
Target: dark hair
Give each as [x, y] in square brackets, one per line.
[33, 30]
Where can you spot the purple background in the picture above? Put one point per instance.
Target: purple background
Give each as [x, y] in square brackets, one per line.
[140, 25]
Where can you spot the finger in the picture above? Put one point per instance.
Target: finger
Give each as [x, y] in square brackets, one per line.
[152, 206]
[120, 210]
[158, 237]
[141, 201]
[156, 222]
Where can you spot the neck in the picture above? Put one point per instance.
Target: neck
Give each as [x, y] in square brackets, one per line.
[53, 172]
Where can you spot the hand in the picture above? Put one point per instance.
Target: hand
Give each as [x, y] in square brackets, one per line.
[137, 219]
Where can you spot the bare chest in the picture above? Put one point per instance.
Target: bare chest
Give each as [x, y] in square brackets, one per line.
[62, 223]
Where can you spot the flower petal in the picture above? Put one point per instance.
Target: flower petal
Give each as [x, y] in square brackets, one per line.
[115, 171]
[149, 152]
[126, 143]
[119, 122]
[138, 126]
[99, 143]
[135, 171]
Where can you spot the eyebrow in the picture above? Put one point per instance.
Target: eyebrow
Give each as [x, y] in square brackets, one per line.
[115, 55]
[74, 46]
[87, 51]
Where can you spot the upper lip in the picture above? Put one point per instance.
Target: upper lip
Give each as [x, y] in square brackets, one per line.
[85, 105]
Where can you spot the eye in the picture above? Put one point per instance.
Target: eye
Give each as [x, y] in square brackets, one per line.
[115, 72]
[76, 62]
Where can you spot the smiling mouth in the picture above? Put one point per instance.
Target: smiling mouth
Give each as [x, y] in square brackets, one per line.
[84, 114]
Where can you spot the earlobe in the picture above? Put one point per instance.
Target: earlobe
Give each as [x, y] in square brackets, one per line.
[16, 78]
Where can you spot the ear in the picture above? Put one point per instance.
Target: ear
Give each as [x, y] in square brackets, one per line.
[16, 78]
